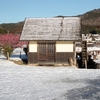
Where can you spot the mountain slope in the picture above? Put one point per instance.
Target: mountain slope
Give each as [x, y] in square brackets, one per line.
[91, 18]
[15, 28]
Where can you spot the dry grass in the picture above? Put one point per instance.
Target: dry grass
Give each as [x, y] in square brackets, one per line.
[19, 62]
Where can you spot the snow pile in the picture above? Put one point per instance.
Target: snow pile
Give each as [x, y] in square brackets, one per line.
[18, 54]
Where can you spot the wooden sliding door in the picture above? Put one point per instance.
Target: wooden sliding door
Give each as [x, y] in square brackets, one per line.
[46, 52]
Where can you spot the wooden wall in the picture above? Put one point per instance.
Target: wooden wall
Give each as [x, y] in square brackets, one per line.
[63, 57]
[32, 57]
[60, 58]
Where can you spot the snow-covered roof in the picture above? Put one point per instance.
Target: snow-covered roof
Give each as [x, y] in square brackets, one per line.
[59, 28]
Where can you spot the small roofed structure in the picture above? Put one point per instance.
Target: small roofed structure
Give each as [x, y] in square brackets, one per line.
[51, 40]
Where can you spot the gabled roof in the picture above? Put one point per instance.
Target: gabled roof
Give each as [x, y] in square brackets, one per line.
[60, 28]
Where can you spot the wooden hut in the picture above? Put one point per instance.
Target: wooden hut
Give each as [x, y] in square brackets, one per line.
[51, 40]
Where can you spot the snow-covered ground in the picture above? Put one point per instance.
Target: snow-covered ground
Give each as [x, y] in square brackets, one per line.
[24, 82]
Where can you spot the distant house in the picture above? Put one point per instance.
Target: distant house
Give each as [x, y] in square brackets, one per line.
[51, 40]
[93, 44]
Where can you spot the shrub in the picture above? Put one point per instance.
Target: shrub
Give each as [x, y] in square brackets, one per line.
[7, 51]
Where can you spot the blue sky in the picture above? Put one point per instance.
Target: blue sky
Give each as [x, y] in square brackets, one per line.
[12, 11]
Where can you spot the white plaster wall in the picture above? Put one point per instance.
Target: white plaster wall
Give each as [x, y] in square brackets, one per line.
[64, 46]
[32, 46]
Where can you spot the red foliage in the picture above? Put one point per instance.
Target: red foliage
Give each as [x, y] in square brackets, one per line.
[11, 40]
[21, 44]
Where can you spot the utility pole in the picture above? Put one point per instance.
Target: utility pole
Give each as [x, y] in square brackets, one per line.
[84, 53]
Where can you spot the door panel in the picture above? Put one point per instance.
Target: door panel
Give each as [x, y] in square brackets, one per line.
[46, 52]
[51, 52]
[42, 52]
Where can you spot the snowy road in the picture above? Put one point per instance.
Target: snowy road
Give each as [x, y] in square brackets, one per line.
[19, 82]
